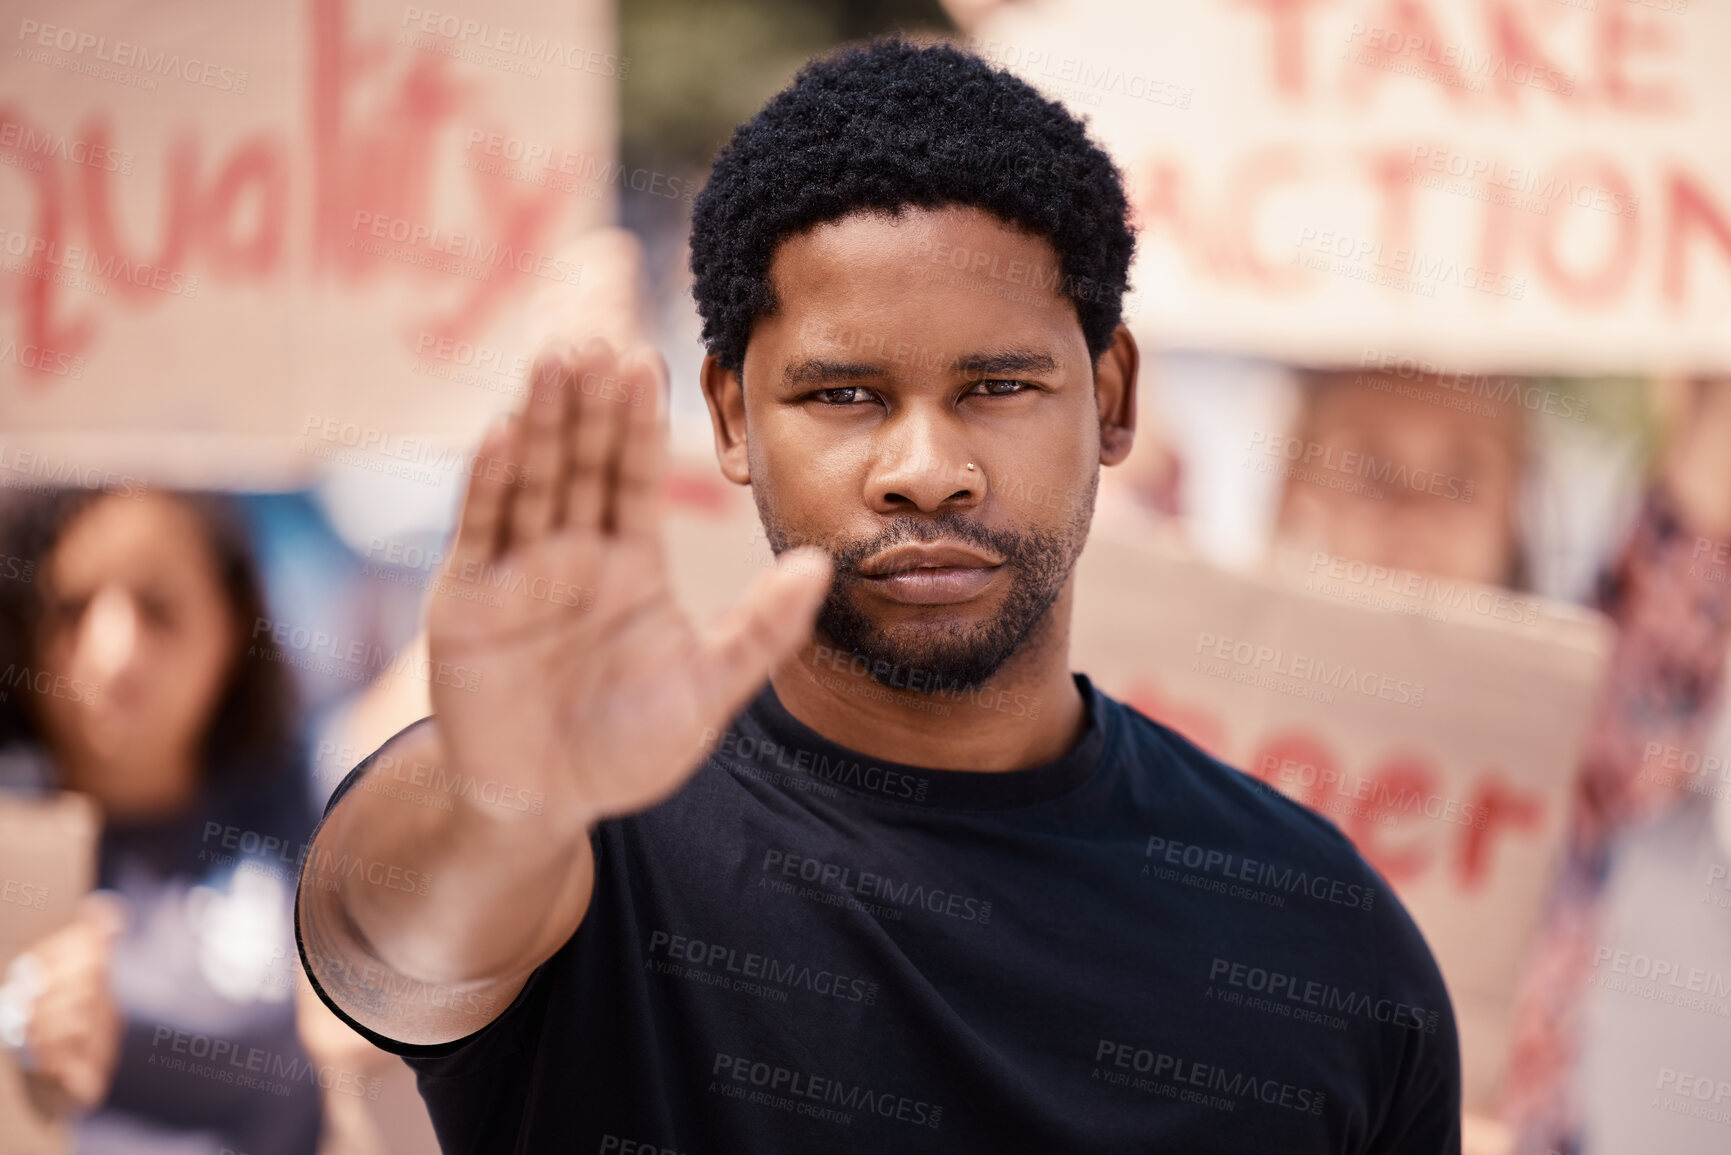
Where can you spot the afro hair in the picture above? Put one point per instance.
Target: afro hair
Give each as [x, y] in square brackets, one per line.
[889, 124]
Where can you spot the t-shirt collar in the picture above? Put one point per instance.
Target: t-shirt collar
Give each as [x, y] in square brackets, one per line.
[769, 742]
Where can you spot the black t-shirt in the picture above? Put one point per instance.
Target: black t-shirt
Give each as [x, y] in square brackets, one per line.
[1132, 948]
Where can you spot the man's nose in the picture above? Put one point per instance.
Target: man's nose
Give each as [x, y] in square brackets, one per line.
[926, 467]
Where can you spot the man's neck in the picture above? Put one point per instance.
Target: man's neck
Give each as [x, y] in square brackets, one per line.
[1027, 714]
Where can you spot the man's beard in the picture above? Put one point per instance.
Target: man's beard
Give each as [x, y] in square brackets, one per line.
[950, 658]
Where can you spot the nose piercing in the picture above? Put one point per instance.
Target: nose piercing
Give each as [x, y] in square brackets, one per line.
[970, 465]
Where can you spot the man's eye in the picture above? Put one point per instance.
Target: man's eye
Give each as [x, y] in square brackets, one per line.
[846, 395]
[1010, 388]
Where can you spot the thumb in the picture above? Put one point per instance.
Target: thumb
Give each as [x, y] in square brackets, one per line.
[771, 621]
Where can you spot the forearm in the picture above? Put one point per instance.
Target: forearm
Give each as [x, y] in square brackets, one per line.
[442, 886]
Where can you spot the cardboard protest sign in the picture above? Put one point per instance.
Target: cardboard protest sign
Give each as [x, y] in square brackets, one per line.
[238, 242]
[1514, 186]
[47, 863]
[1436, 723]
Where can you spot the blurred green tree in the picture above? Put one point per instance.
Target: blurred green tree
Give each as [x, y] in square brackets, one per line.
[699, 67]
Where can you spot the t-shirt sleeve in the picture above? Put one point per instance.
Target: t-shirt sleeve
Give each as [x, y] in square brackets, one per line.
[502, 1032]
[1426, 1116]
[1423, 1115]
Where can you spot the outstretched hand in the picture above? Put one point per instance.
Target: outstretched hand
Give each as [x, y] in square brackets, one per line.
[586, 681]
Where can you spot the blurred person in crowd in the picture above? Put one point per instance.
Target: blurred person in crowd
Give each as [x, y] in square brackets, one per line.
[1649, 834]
[791, 883]
[1640, 847]
[167, 1013]
[1404, 472]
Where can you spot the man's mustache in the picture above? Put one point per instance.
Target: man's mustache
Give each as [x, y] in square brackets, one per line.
[946, 527]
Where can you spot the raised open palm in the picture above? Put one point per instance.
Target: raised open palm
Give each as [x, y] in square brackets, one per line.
[580, 677]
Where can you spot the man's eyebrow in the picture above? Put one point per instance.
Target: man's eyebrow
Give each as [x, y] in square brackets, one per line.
[1007, 361]
[816, 371]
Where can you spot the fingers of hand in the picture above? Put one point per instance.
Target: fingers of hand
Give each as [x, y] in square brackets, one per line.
[642, 459]
[81, 1066]
[73, 965]
[74, 1033]
[586, 451]
[537, 506]
[773, 619]
[82, 943]
[592, 441]
[480, 535]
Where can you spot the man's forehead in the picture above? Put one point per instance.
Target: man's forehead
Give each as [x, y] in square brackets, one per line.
[950, 287]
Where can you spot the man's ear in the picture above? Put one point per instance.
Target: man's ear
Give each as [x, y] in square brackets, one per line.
[724, 393]
[1115, 395]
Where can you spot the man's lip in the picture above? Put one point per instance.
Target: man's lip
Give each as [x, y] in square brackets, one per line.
[930, 556]
[934, 585]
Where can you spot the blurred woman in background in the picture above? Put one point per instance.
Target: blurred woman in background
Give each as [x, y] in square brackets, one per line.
[174, 1024]
[1405, 473]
